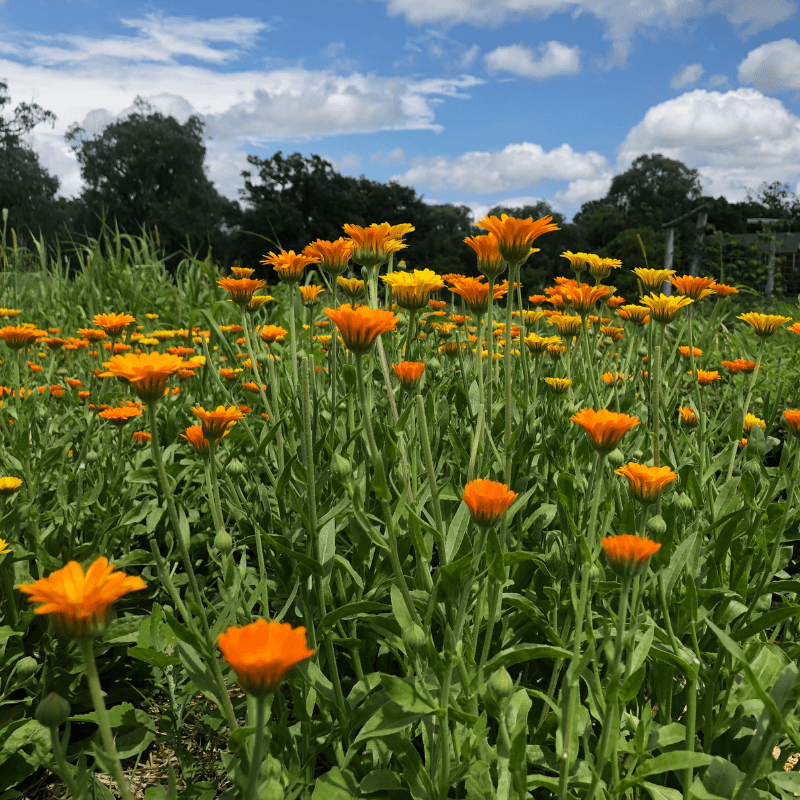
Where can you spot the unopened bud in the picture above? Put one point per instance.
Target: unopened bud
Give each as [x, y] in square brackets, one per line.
[236, 468]
[414, 638]
[26, 667]
[53, 711]
[501, 685]
[341, 467]
[92, 457]
[656, 526]
[223, 541]
[685, 503]
[616, 458]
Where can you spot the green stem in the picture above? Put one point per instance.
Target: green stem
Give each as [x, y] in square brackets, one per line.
[508, 369]
[426, 450]
[293, 337]
[256, 758]
[92, 678]
[657, 400]
[63, 767]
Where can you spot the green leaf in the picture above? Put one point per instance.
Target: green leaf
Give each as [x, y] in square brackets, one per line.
[153, 657]
[335, 784]
[389, 718]
[662, 792]
[516, 655]
[456, 531]
[674, 761]
[768, 620]
[406, 694]
[494, 558]
[361, 608]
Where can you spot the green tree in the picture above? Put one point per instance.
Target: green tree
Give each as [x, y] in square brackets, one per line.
[148, 170]
[27, 189]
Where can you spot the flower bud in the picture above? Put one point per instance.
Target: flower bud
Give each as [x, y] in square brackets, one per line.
[685, 503]
[27, 667]
[53, 711]
[500, 684]
[414, 638]
[616, 458]
[92, 457]
[656, 525]
[341, 467]
[235, 468]
[223, 541]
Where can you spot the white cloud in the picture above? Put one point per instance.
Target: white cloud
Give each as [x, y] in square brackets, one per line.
[687, 76]
[392, 158]
[549, 59]
[736, 139]
[516, 166]
[717, 80]
[623, 20]
[773, 67]
[347, 163]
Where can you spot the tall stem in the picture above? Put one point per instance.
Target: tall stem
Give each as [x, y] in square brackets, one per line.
[256, 758]
[656, 399]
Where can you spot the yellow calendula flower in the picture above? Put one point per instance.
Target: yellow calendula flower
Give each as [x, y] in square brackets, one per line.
[653, 279]
[764, 325]
[412, 290]
[663, 309]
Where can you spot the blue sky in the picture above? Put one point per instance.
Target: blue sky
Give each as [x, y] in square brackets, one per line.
[469, 101]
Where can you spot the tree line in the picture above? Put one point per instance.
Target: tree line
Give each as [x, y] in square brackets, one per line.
[147, 172]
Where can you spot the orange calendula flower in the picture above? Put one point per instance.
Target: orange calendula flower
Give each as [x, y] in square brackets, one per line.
[794, 328]
[567, 325]
[604, 428]
[487, 501]
[706, 377]
[113, 324]
[684, 351]
[9, 485]
[241, 272]
[333, 256]
[262, 653]
[257, 301]
[311, 294]
[352, 287]
[412, 290]
[751, 420]
[558, 385]
[490, 262]
[693, 286]
[556, 351]
[515, 236]
[74, 383]
[194, 435]
[764, 325]
[653, 279]
[120, 416]
[241, 290]
[615, 377]
[663, 309]
[19, 336]
[272, 333]
[229, 374]
[147, 373]
[92, 334]
[476, 293]
[723, 290]
[792, 421]
[583, 298]
[215, 423]
[616, 334]
[141, 437]
[688, 417]
[289, 265]
[628, 555]
[361, 326]
[80, 603]
[739, 365]
[638, 315]
[646, 483]
[409, 373]
[372, 246]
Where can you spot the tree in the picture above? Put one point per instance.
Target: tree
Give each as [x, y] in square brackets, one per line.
[27, 189]
[147, 170]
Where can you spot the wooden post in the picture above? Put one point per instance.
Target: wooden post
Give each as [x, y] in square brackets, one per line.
[702, 220]
[669, 252]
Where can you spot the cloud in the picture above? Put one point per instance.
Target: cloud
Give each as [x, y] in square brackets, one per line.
[717, 80]
[736, 139]
[550, 58]
[392, 158]
[773, 67]
[687, 76]
[437, 46]
[516, 166]
[623, 21]
[347, 163]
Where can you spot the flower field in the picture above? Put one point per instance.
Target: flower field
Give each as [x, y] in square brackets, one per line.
[373, 532]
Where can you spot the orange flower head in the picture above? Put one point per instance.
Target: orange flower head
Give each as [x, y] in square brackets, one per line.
[615, 377]
[706, 377]
[515, 236]
[361, 326]
[616, 334]
[688, 417]
[311, 294]
[372, 246]
[653, 279]
[92, 334]
[692, 286]
[723, 290]
[409, 374]
[19, 336]
[792, 421]
[684, 351]
[604, 428]
[9, 485]
[242, 272]
[583, 298]
[628, 555]
[487, 501]
[194, 435]
[567, 324]
[615, 302]
[638, 315]
[794, 328]
[764, 325]
[229, 374]
[241, 290]
[558, 385]
[147, 373]
[663, 309]
[120, 416]
[751, 420]
[262, 653]
[490, 262]
[113, 324]
[412, 290]
[80, 603]
[739, 365]
[352, 287]
[333, 256]
[556, 351]
[257, 301]
[141, 437]
[289, 265]
[646, 483]
[476, 293]
[273, 333]
[74, 383]
[216, 423]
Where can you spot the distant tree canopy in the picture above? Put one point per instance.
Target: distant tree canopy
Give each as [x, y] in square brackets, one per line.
[294, 200]
[27, 189]
[147, 170]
